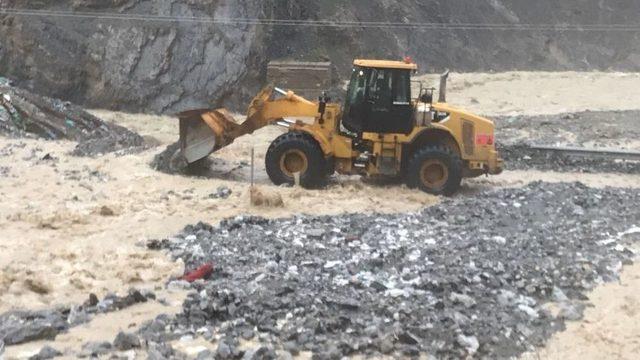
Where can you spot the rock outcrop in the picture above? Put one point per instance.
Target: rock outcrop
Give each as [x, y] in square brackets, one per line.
[132, 65]
[171, 66]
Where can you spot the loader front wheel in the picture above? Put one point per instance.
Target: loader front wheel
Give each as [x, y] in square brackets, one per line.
[296, 152]
[435, 170]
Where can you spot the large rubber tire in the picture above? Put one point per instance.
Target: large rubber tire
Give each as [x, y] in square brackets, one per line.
[435, 170]
[296, 152]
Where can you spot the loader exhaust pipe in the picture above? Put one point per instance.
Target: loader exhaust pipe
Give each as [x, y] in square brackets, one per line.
[443, 87]
[280, 91]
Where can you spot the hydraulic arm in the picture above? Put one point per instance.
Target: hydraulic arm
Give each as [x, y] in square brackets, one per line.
[205, 131]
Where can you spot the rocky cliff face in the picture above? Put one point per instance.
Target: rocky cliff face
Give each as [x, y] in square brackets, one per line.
[472, 50]
[130, 65]
[168, 67]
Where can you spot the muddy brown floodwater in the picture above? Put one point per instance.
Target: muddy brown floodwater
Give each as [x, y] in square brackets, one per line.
[70, 226]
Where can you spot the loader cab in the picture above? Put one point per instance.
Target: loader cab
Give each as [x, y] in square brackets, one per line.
[379, 97]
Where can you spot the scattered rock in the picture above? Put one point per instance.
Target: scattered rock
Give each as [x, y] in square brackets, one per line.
[386, 346]
[106, 211]
[260, 353]
[558, 295]
[77, 315]
[315, 232]
[93, 300]
[248, 334]
[466, 300]
[222, 192]
[469, 343]
[171, 161]
[223, 351]
[159, 351]
[17, 327]
[95, 348]
[47, 352]
[205, 355]
[260, 197]
[532, 313]
[409, 338]
[126, 341]
[570, 311]
[291, 347]
[177, 285]
[37, 285]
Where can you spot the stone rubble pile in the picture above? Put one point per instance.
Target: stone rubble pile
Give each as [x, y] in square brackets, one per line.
[25, 114]
[471, 276]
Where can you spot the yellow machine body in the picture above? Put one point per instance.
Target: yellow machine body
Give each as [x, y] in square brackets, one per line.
[469, 137]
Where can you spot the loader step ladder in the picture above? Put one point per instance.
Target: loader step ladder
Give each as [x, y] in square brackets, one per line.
[387, 162]
[362, 160]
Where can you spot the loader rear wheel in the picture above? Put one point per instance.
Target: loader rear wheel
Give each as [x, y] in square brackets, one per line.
[435, 170]
[296, 152]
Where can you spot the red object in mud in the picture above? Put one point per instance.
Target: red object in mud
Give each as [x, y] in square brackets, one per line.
[199, 273]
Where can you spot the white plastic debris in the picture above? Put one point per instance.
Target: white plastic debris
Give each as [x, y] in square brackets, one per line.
[332, 264]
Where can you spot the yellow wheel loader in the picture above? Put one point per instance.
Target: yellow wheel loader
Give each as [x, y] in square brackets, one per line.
[379, 130]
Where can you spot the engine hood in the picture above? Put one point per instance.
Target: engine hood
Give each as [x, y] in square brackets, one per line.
[445, 107]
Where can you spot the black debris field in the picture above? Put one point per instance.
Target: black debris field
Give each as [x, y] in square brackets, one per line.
[521, 156]
[25, 114]
[470, 276]
[589, 129]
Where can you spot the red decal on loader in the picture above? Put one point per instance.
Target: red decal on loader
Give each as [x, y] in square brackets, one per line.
[484, 139]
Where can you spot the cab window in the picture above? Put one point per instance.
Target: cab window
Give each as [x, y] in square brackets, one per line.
[401, 88]
[380, 88]
[357, 87]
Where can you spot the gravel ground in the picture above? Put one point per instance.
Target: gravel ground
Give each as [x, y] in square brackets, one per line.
[600, 128]
[479, 276]
[521, 156]
[590, 129]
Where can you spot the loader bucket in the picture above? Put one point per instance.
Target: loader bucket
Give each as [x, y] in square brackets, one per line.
[204, 131]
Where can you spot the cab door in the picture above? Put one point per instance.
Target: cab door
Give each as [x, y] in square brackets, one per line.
[389, 107]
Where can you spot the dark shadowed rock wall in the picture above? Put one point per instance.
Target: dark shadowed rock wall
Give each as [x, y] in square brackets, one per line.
[168, 67]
